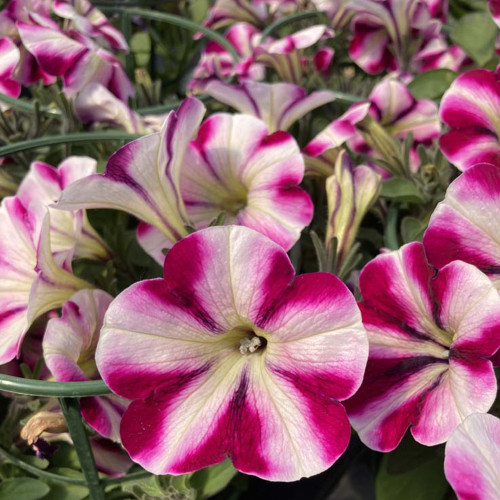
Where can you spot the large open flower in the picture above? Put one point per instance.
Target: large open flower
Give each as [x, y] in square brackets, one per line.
[230, 355]
[430, 337]
[69, 348]
[233, 166]
[472, 458]
[471, 107]
[464, 225]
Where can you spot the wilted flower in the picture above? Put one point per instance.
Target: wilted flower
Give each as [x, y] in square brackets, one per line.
[233, 166]
[472, 456]
[430, 338]
[471, 107]
[463, 226]
[337, 11]
[69, 347]
[351, 191]
[230, 355]
[277, 104]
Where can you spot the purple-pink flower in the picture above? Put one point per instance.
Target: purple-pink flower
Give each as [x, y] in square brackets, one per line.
[230, 355]
[471, 108]
[430, 338]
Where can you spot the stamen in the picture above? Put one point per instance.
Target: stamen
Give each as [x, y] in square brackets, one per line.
[250, 344]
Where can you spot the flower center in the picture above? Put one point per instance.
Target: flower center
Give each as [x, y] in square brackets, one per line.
[234, 202]
[247, 341]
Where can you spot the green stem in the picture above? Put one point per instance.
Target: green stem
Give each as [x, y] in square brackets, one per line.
[342, 96]
[169, 106]
[71, 411]
[182, 23]
[391, 232]
[133, 476]
[75, 138]
[42, 388]
[27, 105]
[288, 20]
[40, 472]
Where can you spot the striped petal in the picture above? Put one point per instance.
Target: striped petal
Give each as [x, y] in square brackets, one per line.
[9, 59]
[471, 457]
[204, 389]
[462, 228]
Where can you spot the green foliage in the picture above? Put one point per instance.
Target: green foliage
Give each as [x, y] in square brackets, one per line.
[212, 480]
[23, 488]
[401, 190]
[431, 84]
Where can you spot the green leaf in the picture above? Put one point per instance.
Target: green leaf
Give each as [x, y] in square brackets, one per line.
[67, 492]
[414, 472]
[412, 229]
[212, 480]
[431, 84]
[476, 34]
[401, 190]
[198, 10]
[25, 488]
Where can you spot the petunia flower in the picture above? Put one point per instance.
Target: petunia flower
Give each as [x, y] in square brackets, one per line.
[96, 104]
[225, 12]
[233, 166]
[351, 191]
[471, 108]
[42, 187]
[229, 355]
[472, 456]
[76, 59]
[389, 35]
[69, 348]
[338, 12]
[285, 55]
[33, 282]
[430, 336]
[216, 63]
[9, 59]
[91, 22]
[277, 104]
[464, 227]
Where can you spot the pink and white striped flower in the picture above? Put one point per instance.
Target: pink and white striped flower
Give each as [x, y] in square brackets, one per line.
[216, 63]
[464, 227]
[471, 108]
[96, 104]
[286, 55]
[230, 355]
[277, 104]
[225, 12]
[91, 22]
[9, 59]
[472, 456]
[233, 166]
[75, 58]
[430, 336]
[69, 347]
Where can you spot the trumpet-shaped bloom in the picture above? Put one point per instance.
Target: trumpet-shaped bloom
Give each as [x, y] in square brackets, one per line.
[472, 456]
[43, 186]
[9, 59]
[32, 283]
[76, 59]
[230, 355]
[350, 193]
[471, 108]
[96, 104]
[91, 22]
[233, 166]
[226, 12]
[464, 227]
[390, 35]
[286, 55]
[277, 104]
[430, 336]
[216, 63]
[69, 347]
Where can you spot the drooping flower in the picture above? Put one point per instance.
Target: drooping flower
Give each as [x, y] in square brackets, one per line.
[233, 166]
[96, 104]
[464, 227]
[216, 63]
[390, 35]
[42, 187]
[472, 456]
[69, 347]
[90, 21]
[9, 59]
[351, 191]
[277, 104]
[286, 55]
[76, 59]
[471, 108]
[229, 355]
[430, 336]
[32, 283]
